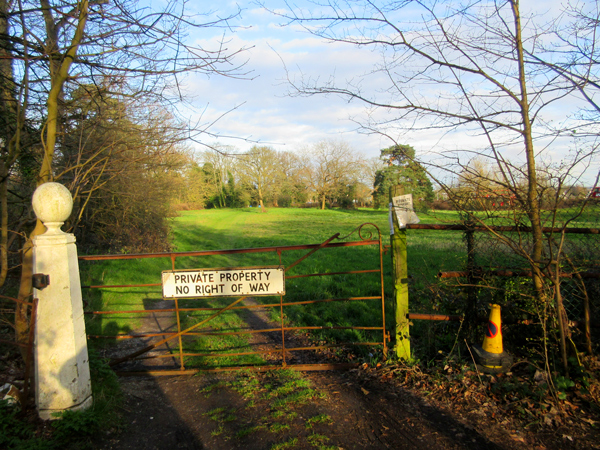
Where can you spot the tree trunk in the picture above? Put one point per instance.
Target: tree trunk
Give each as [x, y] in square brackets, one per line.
[533, 204]
[4, 225]
[7, 120]
[59, 75]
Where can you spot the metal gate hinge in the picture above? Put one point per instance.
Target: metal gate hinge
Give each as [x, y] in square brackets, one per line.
[40, 280]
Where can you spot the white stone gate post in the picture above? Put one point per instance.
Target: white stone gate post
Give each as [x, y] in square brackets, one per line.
[62, 374]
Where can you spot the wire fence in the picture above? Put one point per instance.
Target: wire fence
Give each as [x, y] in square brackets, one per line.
[478, 266]
[577, 256]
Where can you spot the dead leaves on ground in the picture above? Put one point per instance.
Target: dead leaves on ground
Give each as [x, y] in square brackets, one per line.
[525, 398]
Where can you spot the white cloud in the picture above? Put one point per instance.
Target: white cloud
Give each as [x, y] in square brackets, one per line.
[269, 116]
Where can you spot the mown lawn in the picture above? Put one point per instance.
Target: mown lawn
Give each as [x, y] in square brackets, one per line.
[428, 252]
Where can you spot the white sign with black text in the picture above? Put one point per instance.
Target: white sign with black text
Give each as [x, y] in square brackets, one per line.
[403, 207]
[226, 282]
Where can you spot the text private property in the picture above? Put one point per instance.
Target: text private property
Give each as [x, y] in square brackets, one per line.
[268, 280]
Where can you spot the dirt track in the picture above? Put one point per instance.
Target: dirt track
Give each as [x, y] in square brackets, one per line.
[171, 412]
[179, 412]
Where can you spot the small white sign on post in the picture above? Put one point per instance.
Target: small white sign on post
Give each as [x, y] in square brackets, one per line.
[226, 282]
[403, 207]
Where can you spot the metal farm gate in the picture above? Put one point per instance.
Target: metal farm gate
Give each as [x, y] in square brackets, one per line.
[189, 336]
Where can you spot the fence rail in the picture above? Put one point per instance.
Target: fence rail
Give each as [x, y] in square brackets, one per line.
[484, 257]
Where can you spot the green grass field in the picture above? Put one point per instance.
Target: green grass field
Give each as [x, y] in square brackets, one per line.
[250, 228]
[428, 253]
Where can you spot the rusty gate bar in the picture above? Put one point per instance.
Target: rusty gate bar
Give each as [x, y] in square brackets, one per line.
[226, 252]
[435, 317]
[281, 321]
[266, 330]
[265, 368]
[266, 305]
[289, 277]
[156, 344]
[501, 228]
[168, 336]
[106, 286]
[385, 335]
[318, 247]
[179, 332]
[260, 352]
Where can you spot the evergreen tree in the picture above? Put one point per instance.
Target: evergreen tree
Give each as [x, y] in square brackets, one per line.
[402, 169]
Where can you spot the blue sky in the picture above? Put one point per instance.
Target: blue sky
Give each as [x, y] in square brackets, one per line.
[265, 115]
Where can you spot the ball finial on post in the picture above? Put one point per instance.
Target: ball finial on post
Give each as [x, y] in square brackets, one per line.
[52, 204]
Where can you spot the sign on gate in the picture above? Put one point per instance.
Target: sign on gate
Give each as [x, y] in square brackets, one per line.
[403, 206]
[226, 282]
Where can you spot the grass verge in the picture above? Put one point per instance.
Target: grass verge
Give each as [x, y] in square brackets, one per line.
[275, 405]
[74, 430]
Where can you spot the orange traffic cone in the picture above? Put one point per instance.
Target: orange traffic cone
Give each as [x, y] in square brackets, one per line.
[492, 342]
[491, 356]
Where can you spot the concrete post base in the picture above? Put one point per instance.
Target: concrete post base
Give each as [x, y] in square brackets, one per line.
[62, 374]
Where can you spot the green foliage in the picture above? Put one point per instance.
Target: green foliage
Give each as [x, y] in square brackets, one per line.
[347, 194]
[219, 431]
[223, 191]
[298, 398]
[80, 424]
[16, 433]
[279, 427]
[247, 431]
[285, 445]
[285, 394]
[221, 415]
[77, 428]
[246, 384]
[319, 441]
[563, 385]
[321, 418]
[73, 429]
[123, 162]
[404, 170]
[106, 391]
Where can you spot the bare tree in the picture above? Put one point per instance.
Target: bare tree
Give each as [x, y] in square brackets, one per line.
[259, 169]
[294, 176]
[482, 69]
[120, 163]
[221, 166]
[50, 48]
[334, 167]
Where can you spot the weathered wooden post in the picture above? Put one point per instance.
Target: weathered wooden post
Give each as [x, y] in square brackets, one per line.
[471, 309]
[400, 279]
[62, 374]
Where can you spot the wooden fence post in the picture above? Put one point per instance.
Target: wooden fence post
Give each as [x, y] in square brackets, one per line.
[470, 313]
[400, 280]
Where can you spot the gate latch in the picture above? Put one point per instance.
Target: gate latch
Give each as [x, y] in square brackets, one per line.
[40, 280]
